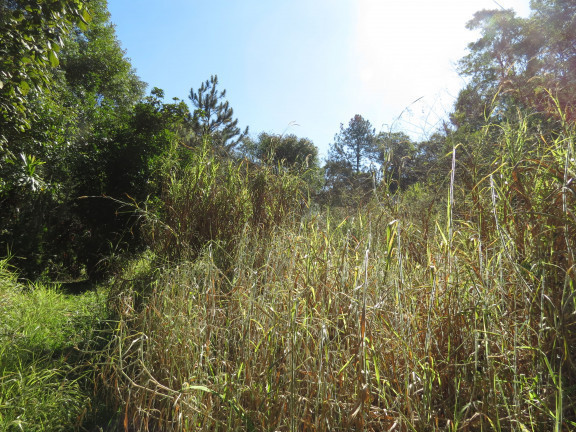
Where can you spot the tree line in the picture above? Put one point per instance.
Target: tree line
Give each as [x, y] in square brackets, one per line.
[82, 144]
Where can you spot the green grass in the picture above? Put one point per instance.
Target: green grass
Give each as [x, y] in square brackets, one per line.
[44, 376]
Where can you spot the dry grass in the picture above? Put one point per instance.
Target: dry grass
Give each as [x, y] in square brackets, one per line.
[461, 320]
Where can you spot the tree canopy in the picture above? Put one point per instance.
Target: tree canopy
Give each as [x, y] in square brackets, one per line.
[355, 145]
[527, 63]
[288, 150]
[397, 156]
[32, 34]
[83, 138]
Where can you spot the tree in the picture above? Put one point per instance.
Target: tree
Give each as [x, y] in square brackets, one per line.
[131, 164]
[126, 170]
[213, 116]
[355, 145]
[351, 165]
[288, 153]
[396, 154]
[31, 36]
[74, 148]
[518, 63]
[289, 150]
[430, 163]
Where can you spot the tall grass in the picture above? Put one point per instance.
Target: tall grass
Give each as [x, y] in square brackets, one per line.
[389, 319]
[205, 199]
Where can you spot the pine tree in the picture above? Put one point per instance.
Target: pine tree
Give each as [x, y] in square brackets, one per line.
[213, 116]
[350, 164]
[355, 145]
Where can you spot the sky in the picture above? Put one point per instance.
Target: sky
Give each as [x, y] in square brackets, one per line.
[305, 67]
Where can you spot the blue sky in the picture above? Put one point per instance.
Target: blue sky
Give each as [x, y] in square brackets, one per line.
[305, 66]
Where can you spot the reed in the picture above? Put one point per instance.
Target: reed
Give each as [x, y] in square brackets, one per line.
[387, 319]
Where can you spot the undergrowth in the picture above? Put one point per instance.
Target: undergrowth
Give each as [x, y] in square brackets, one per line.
[46, 382]
[408, 314]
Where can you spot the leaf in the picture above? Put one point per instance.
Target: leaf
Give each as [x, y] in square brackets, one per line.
[197, 387]
[18, 15]
[24, 87]
[53, 58]
[86, 17]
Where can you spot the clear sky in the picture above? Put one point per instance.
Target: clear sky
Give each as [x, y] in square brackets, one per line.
[305, 66]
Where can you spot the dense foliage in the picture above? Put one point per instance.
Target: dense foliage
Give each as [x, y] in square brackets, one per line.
[31, 36]
[402, 286]
[524, 61]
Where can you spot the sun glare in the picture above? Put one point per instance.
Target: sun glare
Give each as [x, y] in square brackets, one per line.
[407, 51]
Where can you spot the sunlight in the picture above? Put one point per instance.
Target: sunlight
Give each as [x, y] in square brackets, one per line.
[404, 51]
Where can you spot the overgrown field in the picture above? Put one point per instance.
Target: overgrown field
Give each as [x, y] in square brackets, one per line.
[226, 281]
[444, 307]
[453, 311]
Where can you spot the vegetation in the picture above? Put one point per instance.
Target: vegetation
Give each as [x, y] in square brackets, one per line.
[30, 40]
[288, 150]
[213, 117]
[456, 318]
[426, 286]
[46, 376]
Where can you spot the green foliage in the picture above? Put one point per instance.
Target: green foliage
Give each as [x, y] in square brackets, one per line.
[344, 187]
[41, 387]
[517, 63]
[355, 145]
[437, 296]
[422, 313]
[209, 199]
[430, 160]
[99, 76]
[287, 150]
[213, 117]
[82, 143]
[113, 177]
[352, 164]
[31, 37]
[397, 156]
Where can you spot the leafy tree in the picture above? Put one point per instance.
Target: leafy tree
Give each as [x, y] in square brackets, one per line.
[288, 150]
[31, 36]
[74, 148]
[213, 116]
[298, 156]
[551, 38]
[139, 145]
[397, 155]
[341, 184]
[351, 164]
[430, 162]
[517, 63]
[124, 171]
[102, 86]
